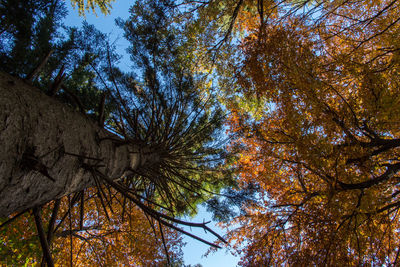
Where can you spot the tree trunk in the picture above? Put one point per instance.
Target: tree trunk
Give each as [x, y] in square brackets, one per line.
[40, 140]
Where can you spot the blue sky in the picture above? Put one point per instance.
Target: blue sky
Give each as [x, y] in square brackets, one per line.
[194, 250]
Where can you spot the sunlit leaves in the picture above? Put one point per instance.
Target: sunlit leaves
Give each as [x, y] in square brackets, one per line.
[102, 239]
[324, 146]
[91, 5]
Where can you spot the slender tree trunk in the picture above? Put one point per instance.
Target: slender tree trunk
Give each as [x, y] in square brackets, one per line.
[40, 140]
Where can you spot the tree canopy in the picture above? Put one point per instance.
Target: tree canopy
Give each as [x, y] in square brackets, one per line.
[315, 119]
[310, 92]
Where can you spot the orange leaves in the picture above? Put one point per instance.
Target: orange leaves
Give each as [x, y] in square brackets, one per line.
[133, 241]
[136, 240]
[326, 154]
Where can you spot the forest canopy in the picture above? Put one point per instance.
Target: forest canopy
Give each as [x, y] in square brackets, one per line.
[281, 117]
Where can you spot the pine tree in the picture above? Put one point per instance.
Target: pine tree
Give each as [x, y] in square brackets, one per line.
[73, 122]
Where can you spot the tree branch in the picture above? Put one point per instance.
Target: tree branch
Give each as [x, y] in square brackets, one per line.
[42, 237]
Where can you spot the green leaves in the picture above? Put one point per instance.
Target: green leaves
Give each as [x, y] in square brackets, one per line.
[18, 245]
[91, 5]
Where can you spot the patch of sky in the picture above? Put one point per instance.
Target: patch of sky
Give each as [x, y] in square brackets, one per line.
[194, 251]
[106, 24]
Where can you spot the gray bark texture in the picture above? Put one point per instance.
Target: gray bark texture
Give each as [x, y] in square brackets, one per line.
[34, 124]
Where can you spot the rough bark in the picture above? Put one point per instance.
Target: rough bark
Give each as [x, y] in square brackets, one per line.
[30, 121]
